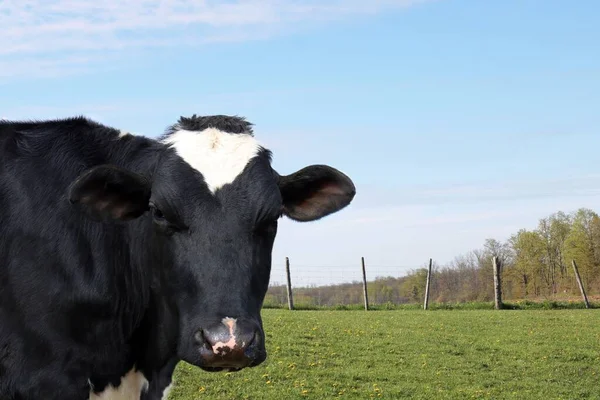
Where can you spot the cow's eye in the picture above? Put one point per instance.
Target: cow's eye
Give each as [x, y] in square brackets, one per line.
[167, 224]
[156, 213]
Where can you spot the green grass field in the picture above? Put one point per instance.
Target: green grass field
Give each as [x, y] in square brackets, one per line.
[412, 354]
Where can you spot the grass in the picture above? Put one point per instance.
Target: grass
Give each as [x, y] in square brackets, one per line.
[412, 354]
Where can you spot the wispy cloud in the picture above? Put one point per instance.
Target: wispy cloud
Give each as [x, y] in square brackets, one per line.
[70, 34]
[50, 66]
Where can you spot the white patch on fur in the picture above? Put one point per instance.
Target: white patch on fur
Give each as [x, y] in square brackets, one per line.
[219, 156]
[166, 392]
[131, 388]
[123, 134]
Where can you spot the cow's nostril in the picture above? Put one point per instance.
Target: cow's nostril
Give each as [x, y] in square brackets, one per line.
[199, 336]
[247, 344]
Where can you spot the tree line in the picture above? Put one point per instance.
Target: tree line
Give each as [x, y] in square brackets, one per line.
[535, 264]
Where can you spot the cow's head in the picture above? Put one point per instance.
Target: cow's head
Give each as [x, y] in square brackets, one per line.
[214, 202]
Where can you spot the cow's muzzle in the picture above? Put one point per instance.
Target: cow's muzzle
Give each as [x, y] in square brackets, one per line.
[232, 345]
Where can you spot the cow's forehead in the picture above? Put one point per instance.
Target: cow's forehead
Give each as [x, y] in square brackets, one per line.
[218, 147]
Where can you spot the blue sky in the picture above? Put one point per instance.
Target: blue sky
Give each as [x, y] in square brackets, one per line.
[458, 120]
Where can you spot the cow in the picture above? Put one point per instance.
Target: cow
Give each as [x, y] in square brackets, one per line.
[122, 255]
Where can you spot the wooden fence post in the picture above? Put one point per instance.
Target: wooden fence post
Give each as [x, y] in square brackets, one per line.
[364, 273]
[427, 285]
[497, 284]
[585, 299]
[289, 284]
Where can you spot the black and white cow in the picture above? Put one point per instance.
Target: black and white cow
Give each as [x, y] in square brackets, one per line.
[122, 255]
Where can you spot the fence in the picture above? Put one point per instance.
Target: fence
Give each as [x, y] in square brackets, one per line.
[308, 286]
[305, 287]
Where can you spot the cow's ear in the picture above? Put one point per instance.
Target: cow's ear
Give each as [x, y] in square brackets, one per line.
[107, 192]
[315, 192]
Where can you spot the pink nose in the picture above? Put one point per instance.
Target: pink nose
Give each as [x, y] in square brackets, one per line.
[231, 344]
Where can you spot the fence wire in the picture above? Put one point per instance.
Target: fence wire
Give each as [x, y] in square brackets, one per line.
[332, 286]
[339, 285]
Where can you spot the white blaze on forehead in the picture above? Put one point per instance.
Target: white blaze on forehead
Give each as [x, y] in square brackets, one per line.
[219, 156]
[131, 388]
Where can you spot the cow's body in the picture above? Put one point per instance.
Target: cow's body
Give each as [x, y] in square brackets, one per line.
[121, 255]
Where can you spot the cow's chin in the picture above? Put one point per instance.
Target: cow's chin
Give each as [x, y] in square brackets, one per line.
[206, 368]
[259, 359]
[255, 363]
[196, 359]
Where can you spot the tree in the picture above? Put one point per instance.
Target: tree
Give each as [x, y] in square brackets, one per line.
[414, 285]
[529, 251]
[580, 245]
[554, 231]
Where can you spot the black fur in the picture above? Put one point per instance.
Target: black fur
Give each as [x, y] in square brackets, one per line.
[114, 253]
[225, 123]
